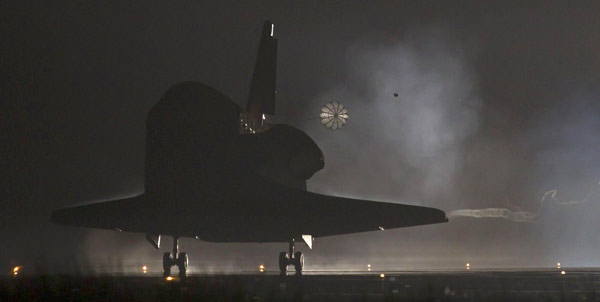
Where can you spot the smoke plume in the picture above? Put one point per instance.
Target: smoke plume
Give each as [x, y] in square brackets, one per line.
[518, 215]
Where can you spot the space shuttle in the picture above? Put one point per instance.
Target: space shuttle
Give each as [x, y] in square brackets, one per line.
[220, 173]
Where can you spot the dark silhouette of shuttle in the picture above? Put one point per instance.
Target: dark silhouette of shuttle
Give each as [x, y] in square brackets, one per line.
[223, 174]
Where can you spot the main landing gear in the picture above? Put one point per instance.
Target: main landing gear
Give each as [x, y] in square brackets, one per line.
[296, 259]
[176, 259]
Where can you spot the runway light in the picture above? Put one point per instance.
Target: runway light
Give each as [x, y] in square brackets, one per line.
[16, 269]
[468, 265]
[144, 269]
[558, 265]
[563, 273]
[382, 275]
[261, 268]
[169, 278]
[368, 267]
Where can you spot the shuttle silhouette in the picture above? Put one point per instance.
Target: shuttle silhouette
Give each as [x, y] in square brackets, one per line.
[222, 174]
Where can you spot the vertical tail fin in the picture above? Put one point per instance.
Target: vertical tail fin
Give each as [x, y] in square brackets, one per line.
[261, 99]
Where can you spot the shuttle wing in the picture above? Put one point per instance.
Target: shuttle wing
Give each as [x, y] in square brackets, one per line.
[329, 215]
[266, 211]
[300, 212]
[259, 211]
[134, 214]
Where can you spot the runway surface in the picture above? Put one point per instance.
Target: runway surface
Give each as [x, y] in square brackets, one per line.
[511, 285]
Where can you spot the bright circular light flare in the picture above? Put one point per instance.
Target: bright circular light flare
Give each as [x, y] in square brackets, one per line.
[563, 273]
[334, 115]
[16, 269]
[382, 275]
[170, 278]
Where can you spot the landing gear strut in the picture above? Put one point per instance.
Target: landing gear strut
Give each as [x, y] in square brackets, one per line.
[176, 259]
[296, 259]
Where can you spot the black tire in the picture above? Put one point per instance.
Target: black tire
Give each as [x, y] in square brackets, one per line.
[283, 262]
[298, 261]
[182, 264]
[167, 262]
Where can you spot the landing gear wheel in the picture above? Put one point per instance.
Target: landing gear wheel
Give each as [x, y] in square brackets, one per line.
[182, 264]
[298, 261]
[283, 262]
[167, 262]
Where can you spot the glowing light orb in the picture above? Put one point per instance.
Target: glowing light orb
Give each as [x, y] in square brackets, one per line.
[563, 273]
[169, 278]
[382, 275]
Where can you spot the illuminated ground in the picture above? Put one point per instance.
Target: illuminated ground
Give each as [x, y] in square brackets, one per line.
[539, 285]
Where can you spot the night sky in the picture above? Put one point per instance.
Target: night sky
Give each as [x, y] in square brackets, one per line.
[497, 104]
